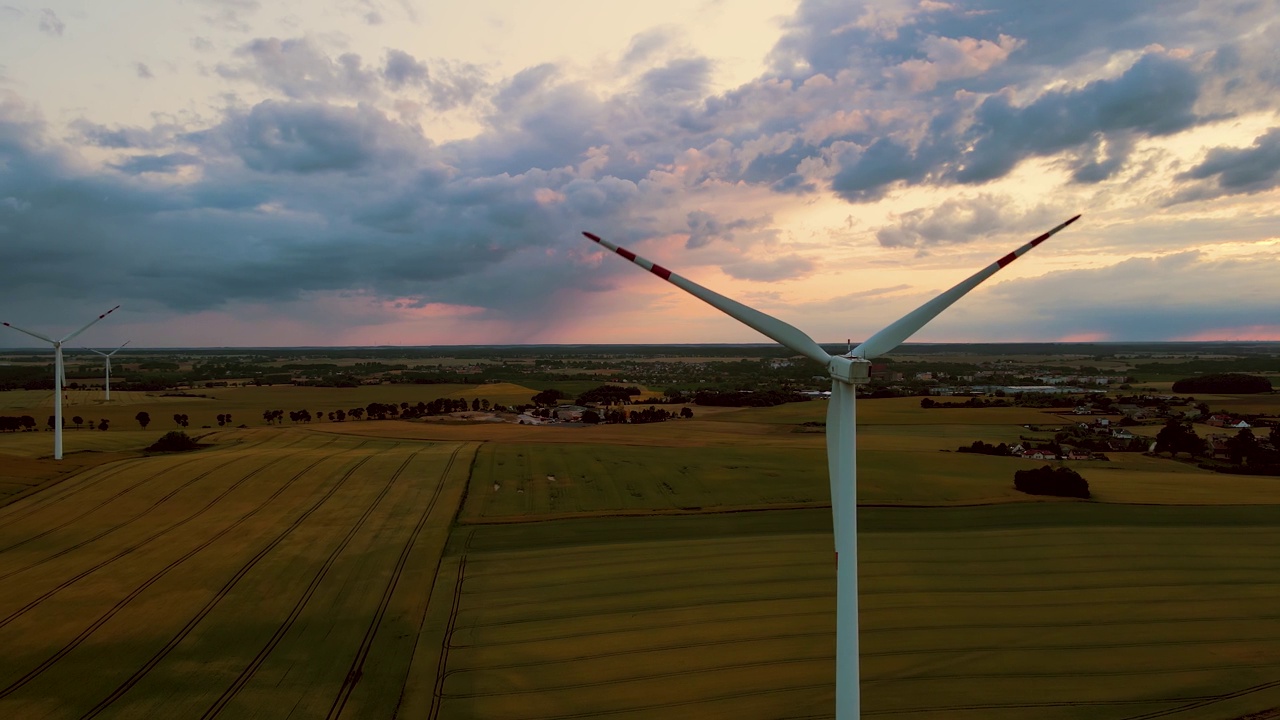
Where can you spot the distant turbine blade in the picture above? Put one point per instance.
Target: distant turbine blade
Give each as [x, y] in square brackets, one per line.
[98, 351]
[896, 333]
[788, 335]
[91, 323]
[113, 352]
[32, 334]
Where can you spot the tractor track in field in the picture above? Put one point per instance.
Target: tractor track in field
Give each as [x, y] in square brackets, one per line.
[1213, 700]
[700, 622]
[130, 520]
[702, 572]
[826, 686]
[129, 550]
[254, 665]
[943, 709]
[113, 498]
[674, 673]
[227, 587]
[655, 648]
[48, 495]
[356, 671]
[102, 620]
[437, 692]
[897, 677]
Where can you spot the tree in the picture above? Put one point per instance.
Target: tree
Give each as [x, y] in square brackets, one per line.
[1243, 446]
[177, 419]
[173, 441]
[143, 419]
[686, 412]
[78, 421]
[1233, 383]
[1047, 480]
[475, 405]
[53, 422]
[590, 417]
[103, 424]
[222, 420]
[1178, 436]
[550, 396]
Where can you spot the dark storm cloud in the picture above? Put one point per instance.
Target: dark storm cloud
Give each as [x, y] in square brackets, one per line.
[166, 163]
[1156, 96]
[285, 137]
[1237, 170]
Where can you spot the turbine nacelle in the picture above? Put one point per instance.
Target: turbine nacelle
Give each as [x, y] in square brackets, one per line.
[849, 369]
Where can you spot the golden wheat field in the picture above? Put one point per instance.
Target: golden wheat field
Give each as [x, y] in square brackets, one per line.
[396, 569]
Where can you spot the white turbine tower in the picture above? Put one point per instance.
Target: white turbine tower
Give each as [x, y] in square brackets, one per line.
[107, 357]
[59, 376]
[846, 371]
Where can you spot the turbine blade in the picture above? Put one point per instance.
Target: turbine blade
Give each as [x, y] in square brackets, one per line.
[113, 352]
[906, 326]
[97, 351]
[91, 323]
[32, 334]
[783, 333]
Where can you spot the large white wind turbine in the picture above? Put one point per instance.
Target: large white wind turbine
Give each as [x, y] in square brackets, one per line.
[846, 371]
[107, 358]
[59, 376]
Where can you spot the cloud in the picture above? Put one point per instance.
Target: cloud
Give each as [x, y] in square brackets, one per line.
[50, 23]
[301, 137]
[230, 15]
[167, 163]
[143, 71]
[785, 267]
[960, 220]
[300, 70]
[952, 59]
[1155, 96]
[1237, 170]
[450, 85]
[704, 227]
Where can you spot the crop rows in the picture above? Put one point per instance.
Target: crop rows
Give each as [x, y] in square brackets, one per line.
[187, 586]
[1118, 623]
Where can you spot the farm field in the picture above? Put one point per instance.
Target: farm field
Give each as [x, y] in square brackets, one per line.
[262, 578]
[370, 569]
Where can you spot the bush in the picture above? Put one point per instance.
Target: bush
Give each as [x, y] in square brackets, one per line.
[174, 441]
[1060, 482]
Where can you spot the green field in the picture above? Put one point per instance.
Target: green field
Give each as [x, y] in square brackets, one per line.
[676, 570]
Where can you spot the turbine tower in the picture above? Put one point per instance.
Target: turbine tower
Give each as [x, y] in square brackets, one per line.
[107, 357]
[59, 376]
[847, 372]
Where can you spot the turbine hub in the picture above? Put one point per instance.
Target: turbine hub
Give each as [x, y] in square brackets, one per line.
[851, 370]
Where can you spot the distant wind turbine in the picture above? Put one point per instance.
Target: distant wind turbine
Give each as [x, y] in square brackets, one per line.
[107, 357]
[59, 376]
[846, 371]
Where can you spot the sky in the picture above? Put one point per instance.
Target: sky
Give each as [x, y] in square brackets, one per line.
[405, 172]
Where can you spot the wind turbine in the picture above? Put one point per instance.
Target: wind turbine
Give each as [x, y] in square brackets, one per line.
[59, 376]
[847, 372]
[108, 361]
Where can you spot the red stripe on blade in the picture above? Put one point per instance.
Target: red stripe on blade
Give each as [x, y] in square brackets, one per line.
[1007, 259]
[595, 238]
[661, 272]
[626, 254]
